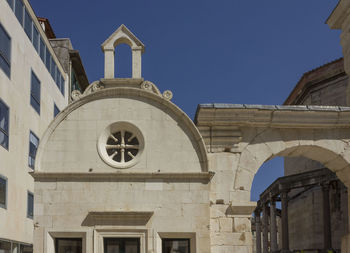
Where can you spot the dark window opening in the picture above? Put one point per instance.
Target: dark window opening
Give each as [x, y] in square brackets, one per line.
[30, 205]
[68, 245]
[55, 110]
[175, 245]
[35, 93]
[4, 125]
[19, 8]
[33, 147]
[5, 51]
[3, 192]
[121, 245]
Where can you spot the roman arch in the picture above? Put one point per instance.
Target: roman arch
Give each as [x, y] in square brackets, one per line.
[240, 138]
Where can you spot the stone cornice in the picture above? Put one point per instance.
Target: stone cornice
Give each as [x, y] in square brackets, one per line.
[273, 116]
[124, 176]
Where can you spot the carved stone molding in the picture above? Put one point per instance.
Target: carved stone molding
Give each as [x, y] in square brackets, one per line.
[168, 95]
[75, 95]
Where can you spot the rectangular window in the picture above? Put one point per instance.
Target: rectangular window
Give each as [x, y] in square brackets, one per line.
[19, 11]
[42, 50]
[4, 125]
[48, 59]
[26, 249]
[3, 192]
[33, 147]
[35, 93]
[71, 245]
[176, 245]
[5, 247]
[5, 51]
[35, 38]
[53, 68]
[55, 110]
[10, 2]
[57, 72]
[30, 205]
[27, 24]
[62, 85]
[127, 245]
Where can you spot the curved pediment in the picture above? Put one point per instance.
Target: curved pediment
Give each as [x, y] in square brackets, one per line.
[122, 130]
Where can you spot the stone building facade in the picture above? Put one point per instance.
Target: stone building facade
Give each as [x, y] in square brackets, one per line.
[33, 89]
[327, 86]
[124, 169]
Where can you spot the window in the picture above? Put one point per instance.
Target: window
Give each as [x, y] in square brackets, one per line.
[35, 39]
[10, 2]
[30, 205]
[27, 24]
[4, 125]
[53, 68]
[5, 246]
[127, 245]
[5, 51]
[55, 110]
[25, 249]
[42, 50]
[48, 59]
[176, 245]
[3, 192]
[62, 85]
[68, 245]
[19, 11]
[35, 93]
[33, 147]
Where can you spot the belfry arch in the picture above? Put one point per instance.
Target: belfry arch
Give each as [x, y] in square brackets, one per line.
[122, 36]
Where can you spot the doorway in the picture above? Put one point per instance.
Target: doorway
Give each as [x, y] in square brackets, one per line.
[121, 245]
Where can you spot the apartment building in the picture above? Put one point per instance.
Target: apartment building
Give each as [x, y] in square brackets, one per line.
[34, 88]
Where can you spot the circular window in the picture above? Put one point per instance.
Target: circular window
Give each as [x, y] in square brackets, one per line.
[121, 145]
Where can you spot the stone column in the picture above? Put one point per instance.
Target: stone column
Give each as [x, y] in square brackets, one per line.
[136, 62]
[327, 234]
[273, 228]
[285, 233]
[258, 231]
[265, 228]
[109, 63]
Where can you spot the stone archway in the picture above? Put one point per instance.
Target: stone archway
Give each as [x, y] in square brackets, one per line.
[240, 138]
[327, 146]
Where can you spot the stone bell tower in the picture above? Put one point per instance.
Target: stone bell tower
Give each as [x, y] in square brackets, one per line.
[122, 35]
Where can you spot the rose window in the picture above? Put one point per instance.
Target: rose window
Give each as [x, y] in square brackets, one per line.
[120, 145]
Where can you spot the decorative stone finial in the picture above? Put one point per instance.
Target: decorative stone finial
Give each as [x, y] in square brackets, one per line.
[122, 35]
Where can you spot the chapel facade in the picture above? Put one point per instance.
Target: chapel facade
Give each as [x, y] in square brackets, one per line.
[123, 169]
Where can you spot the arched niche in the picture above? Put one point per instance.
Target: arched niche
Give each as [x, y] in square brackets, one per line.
[122, 36]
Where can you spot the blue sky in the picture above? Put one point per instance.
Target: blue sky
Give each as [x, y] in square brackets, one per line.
[224, 51]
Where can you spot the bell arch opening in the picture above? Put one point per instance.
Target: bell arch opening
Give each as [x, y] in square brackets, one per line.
[123, 60]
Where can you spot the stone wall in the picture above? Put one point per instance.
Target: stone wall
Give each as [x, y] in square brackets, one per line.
[325, 86]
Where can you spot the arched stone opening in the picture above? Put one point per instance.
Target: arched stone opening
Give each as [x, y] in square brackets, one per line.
[331, 152]
[317, 206]
[122, 36]
[123, 60]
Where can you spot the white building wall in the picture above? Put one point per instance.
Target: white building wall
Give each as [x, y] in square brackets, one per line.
[15, 93]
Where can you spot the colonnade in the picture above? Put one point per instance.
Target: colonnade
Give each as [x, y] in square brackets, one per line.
[265, 212]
